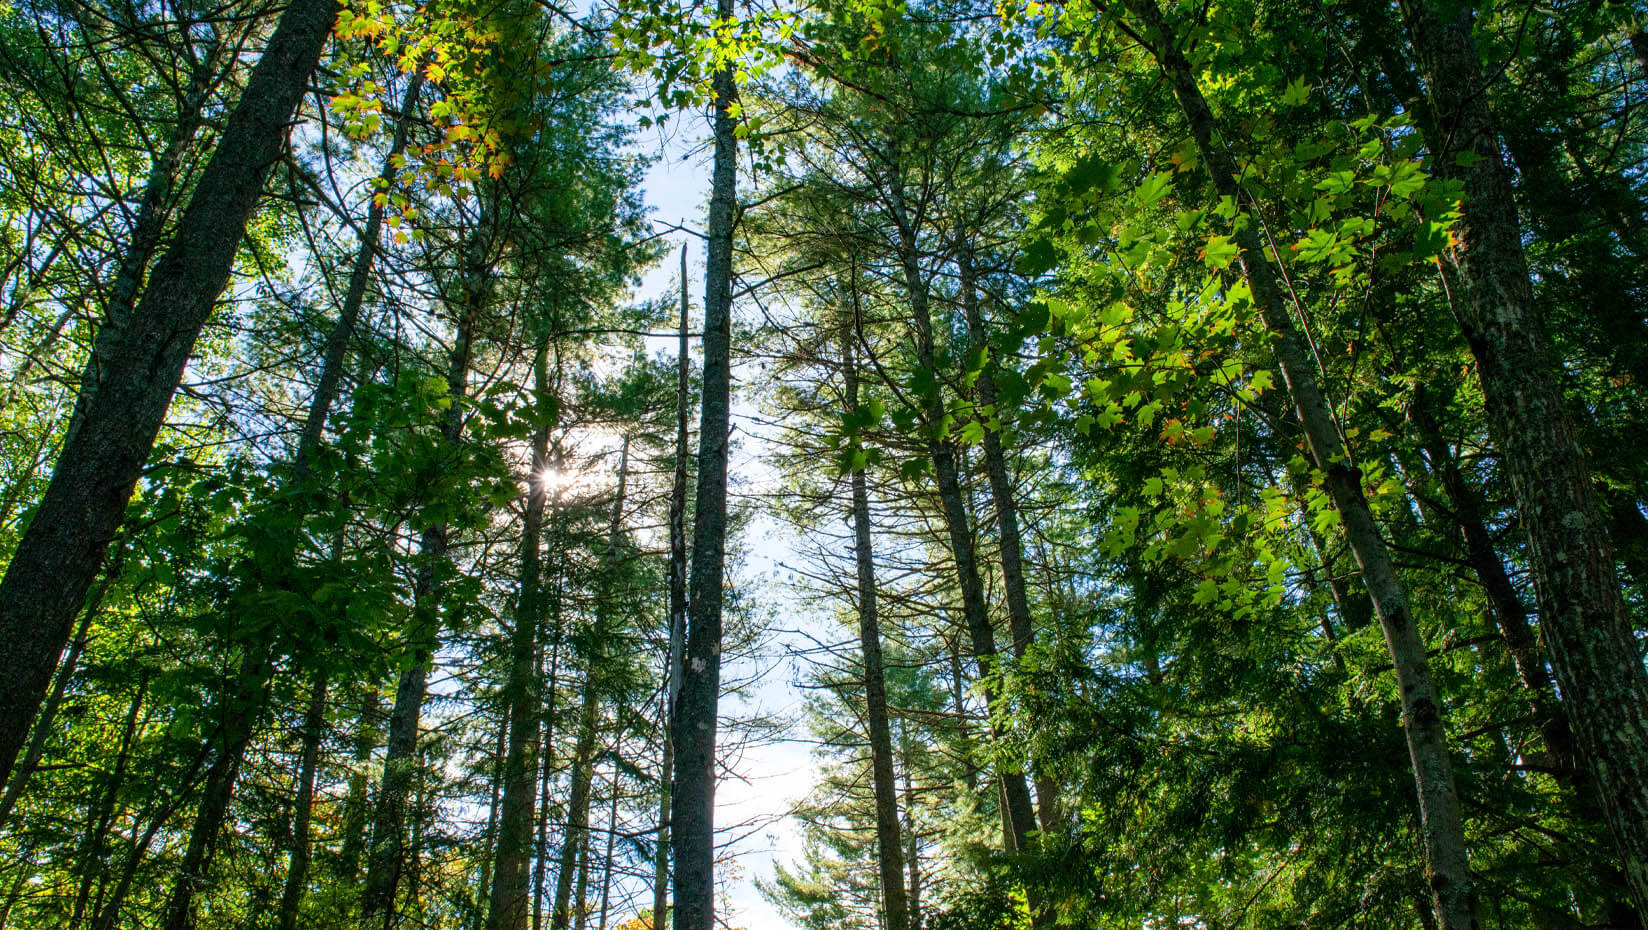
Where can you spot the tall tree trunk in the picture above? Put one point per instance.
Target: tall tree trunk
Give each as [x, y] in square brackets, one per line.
[677, 609]
[141, 358]
[912, 851]
[1588, 633]
[575, 842]
[889, 852]
[1442, 826]
[694, 725]
[1002, 493]
[1019, 812]
[337, 341]
[508, 907]
[297, 869]
[612, 834]
[388, 857]
[244, 701]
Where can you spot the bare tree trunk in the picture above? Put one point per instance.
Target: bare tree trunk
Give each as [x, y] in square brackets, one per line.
[1002, 493]
[889, 853]
[141, 358]
[1019, 815]
[508, 907]
[1442, 826]
[677, 609]
[1587, 630]
[694, 725]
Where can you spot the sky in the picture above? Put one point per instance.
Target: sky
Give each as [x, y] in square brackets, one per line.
[768, 778]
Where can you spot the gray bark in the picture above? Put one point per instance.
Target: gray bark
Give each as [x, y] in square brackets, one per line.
[1583, 617]
[693, 728]
[889, 852]
[510, 881]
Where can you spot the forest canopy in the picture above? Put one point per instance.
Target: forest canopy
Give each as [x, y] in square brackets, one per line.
[1207, 439]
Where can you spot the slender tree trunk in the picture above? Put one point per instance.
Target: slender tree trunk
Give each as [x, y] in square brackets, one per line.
[1002, 493]
[89, 856]
[1019, 814]
[546, 767]
[1587, 630]
[694, 725]
[387, 862]
[612, 833]
[889, 854]
[508, 907]
[360, 273]
[576, 840]
[677, 609]
[245, 697]
[141, 359]
[297, 869]
[1442, 826]
[578, 804]
[912, 851]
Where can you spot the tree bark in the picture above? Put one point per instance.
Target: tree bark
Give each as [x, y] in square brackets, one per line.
[677, 611]
[1019, 814]
[1582, 614]
[693, 728]
[297, 868]
[889, 852]
[1442, 826]
[141, 359]
[1002, 493]
[388, 857]
[510, 881]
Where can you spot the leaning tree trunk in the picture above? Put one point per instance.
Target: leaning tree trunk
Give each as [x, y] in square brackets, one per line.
[510, 881]
[889, 852]
[141, 358]
[1582, 614]
[693, 727]
[677, 612]
[1442, 826]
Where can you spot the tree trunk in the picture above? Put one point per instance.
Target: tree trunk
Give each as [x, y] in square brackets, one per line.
[677, 610]
[388, 857]
[141, 359]
[337, 341]
[1587, 630]
[89, 857]
[245, 698]
[48, 714]
[1019, 814]
[297, 869]
[1442, 826]
[508, 907]
[1007, 511]
[889, 853]
[356, 806]
[694, 724]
